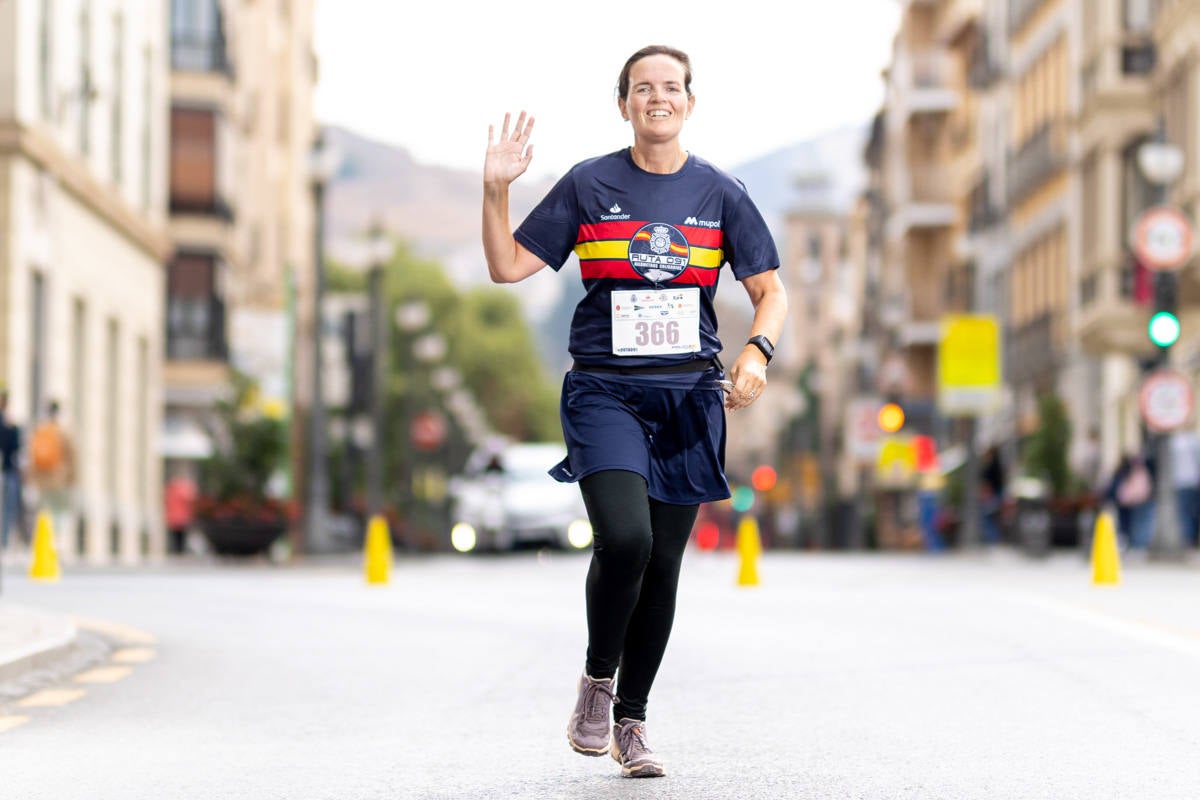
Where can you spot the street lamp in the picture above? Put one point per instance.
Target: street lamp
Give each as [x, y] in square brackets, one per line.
[380, 250]
[323, 164]
[412, 315]
[445, 379]
[1162, 163]
[430, 348]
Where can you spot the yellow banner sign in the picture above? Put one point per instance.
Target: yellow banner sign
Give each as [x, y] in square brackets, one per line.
[969, 364]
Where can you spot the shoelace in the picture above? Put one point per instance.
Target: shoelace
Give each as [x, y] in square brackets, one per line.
[597, 697]
[634, 742]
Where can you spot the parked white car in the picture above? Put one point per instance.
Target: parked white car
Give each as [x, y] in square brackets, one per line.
[505, 498]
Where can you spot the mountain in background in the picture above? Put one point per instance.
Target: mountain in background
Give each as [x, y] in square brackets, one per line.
[437, 209]
[826, 172]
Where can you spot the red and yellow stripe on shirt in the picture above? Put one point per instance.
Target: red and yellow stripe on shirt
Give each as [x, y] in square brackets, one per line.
[603, 250]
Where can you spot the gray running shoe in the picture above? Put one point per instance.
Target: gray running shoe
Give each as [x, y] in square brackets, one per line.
[632, 752]
[588, 729]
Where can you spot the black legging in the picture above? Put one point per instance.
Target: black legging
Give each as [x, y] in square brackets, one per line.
[631, 583]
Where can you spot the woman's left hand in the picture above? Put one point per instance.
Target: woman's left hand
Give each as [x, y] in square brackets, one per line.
[749, 378]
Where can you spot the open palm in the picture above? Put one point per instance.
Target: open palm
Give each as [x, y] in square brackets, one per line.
[508, 157]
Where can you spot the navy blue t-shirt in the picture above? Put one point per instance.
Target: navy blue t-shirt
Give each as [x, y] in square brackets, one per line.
[641, 231]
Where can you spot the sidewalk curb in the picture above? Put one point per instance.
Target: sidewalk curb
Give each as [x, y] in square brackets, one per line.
[40, 651]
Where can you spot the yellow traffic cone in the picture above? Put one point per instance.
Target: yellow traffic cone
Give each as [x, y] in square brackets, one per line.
[377, 554]
[749, 547]
[1106, 560]
[45, 557]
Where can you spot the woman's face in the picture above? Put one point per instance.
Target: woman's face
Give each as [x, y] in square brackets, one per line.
[657, 103]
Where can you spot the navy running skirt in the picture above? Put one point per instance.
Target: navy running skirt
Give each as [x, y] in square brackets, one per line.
[670, 429]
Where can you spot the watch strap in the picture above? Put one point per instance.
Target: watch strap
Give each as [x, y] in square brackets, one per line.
[764, 345]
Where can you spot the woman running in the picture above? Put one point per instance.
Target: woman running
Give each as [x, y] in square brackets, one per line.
[643, 405]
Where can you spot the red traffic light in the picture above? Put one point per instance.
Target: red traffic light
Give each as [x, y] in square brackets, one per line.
[763, 478]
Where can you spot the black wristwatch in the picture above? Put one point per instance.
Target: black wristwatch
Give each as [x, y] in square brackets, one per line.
[763, 344]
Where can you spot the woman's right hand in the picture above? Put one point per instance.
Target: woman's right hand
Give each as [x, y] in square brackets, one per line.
[508, 158]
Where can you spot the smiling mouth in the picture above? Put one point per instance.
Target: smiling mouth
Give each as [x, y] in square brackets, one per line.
[659, 114]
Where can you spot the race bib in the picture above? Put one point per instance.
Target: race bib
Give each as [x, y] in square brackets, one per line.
[656, 322]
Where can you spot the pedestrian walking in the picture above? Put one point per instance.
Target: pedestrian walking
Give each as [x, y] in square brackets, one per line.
[1131, 490]
[1089, 464]
[643, 409]
[993, 493]
[52, 467]
[10, 474]
[179, 507]
[1185, 472]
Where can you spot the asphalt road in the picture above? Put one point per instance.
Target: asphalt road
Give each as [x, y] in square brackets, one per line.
[853, 676]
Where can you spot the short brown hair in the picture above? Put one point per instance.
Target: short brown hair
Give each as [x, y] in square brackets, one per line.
[655, 50]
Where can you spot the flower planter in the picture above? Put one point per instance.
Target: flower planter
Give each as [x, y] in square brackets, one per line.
[241, 537]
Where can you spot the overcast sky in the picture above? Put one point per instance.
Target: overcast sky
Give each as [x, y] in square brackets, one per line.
[431, 76]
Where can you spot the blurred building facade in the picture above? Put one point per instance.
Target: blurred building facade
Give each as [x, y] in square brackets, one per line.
[83, 88]
[241, 207]
[1003, 180]
[818, 355]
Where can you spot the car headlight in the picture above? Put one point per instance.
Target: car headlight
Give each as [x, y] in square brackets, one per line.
[579, 533]
[463, 538]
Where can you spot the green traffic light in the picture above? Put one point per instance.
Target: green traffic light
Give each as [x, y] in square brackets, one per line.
[743, 498]
[1163, 328]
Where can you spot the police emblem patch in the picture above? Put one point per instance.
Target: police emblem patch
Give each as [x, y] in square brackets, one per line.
[659, 252]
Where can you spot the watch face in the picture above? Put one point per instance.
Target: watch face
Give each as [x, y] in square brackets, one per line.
[763, 344]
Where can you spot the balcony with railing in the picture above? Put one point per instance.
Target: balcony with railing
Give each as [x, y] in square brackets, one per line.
[928, 204]
[199, 52]
[1041, 157]
[923, 310]
[1030, 354]
[985, 69]
[985, 212]
[1113, 308]
[956, 16]
[196, 306]
[930, 86]
[1021, 11]
[1117, 81]
[196, 329]
[211, 206]
[198, 37]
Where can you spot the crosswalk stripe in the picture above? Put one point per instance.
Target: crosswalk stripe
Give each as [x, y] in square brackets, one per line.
[8, 723]
[123, 633]
[50, 698]
[133, 655]
[103, 675]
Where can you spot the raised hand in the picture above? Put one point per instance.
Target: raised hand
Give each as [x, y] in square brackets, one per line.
[508, 158]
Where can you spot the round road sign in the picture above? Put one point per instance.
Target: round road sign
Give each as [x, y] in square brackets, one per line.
[1162, 238]
[1166, 401]
[428, 430]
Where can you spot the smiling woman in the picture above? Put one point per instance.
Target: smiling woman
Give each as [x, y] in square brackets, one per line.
[643, 407]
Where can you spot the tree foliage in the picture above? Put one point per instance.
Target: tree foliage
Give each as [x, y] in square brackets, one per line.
[487, 339]
[1046, 451]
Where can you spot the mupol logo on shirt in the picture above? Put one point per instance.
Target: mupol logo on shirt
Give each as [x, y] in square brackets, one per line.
[702, 223]
[615, 213]
[659, 252]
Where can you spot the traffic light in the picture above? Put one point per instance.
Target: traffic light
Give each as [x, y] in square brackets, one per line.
[1164, 324]
[890, 417]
